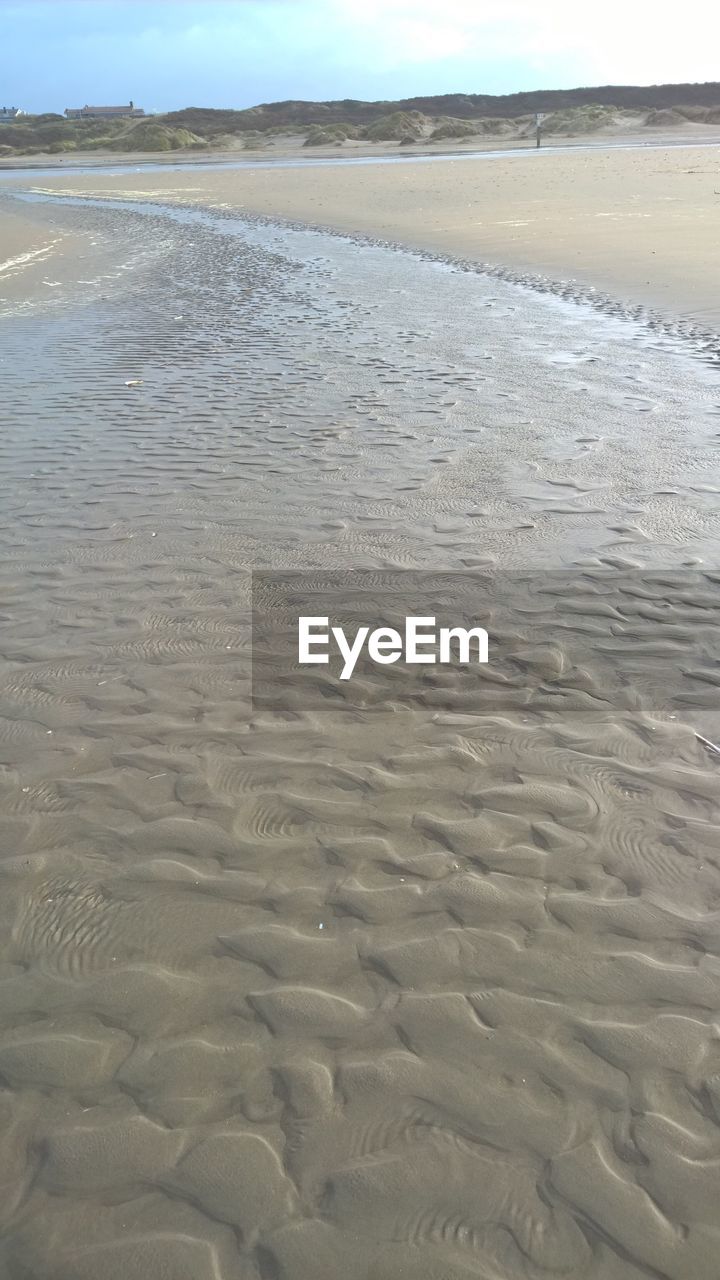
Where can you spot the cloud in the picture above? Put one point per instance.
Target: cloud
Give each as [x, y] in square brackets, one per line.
[639, 40]
[169, 53]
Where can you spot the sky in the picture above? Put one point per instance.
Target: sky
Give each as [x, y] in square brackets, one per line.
[168, 54]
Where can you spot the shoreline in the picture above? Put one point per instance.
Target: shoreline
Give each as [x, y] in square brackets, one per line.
[283, 150]
[706, 342]
[31, 251]
[264, 934]
[637, 226]
[699, 342]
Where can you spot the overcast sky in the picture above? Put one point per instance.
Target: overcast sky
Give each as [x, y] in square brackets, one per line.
[234, 53]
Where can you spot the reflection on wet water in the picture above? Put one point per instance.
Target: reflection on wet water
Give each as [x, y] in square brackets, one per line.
[291, 993]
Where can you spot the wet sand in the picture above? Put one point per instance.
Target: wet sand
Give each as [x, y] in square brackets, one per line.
[637, 223]
[373, 982]
[31, 254]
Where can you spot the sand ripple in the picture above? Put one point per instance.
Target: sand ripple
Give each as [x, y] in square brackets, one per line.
[389, 986]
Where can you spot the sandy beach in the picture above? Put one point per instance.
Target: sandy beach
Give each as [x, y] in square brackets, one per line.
[639, 223]
[30, 255]
[302, 979]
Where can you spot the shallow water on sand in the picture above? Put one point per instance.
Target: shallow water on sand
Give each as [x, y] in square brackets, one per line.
[8, 173]
[383, 983]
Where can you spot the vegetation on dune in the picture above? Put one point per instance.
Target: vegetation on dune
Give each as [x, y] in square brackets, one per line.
[397, 127]
[327, 135]
[447, 127]
[580, 120]
[680, 115]
[318, 137]
[210, 123]
[251, 142]
[493, 127]
[452, 117]
[658, 119]
[152, 135]
[293, 115]
[41, 133]
[699, 115]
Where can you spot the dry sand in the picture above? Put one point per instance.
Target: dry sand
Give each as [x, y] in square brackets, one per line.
[638, 223]
[363, 981]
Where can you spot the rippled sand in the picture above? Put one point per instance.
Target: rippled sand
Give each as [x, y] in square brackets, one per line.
[640, 222]
[421, 983]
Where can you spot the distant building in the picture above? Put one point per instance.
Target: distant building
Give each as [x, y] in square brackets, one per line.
[104, 113]
[8, 114]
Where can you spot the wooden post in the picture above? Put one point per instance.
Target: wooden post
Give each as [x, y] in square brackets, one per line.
[539, 117]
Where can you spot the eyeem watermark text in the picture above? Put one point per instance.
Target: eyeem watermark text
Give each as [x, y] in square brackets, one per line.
[421, 643]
